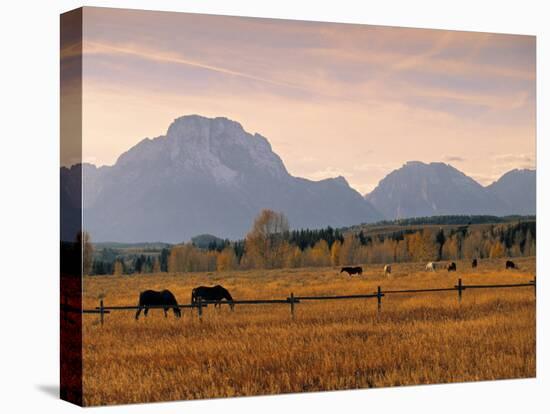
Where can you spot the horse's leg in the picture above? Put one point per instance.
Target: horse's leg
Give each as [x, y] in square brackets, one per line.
[146, 311]
[165, 312]
[138, 312]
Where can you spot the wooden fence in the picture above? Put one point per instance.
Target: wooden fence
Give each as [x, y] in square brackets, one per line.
[293, 300]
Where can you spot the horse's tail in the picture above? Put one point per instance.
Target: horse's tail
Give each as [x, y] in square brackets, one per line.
[193, 295]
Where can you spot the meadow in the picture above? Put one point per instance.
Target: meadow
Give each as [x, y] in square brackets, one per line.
[330, 345]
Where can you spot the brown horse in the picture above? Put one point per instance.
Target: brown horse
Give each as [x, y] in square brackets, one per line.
[164, 299]
[510, 265]
[352, 270]
[215, 293]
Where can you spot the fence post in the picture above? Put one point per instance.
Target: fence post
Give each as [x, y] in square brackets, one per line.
[101, 312]
[292, 304]
[459, 290]
[379, 298]
[200, 308]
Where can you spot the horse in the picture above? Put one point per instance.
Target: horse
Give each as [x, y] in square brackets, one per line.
[451, 267]
[387, 270]
[510, 265]
[165, 298]
[214, 293]
[474, 263]
[430, 267]
[352, 270]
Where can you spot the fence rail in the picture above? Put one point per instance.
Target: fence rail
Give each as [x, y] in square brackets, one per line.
[374, 295]
[293, 300]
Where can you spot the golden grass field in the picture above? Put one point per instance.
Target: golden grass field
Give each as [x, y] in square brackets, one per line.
[330, 345]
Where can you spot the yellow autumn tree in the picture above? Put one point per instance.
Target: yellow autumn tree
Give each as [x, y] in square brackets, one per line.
[349, 251]
[529, 248]
[265, 244]
[450, 249]
[413, 245]
[421, 246]
[226, 260]
[320, 254]
[497, 250]
[118, 268]
[335, 251]
[156, 265]
[472, 246]
[294, 257]
[401, 254]
[189, 258]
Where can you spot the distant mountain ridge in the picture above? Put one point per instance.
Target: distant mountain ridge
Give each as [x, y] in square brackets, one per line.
[207, 175]
[420, 189]
[518, 188]
[210, 176]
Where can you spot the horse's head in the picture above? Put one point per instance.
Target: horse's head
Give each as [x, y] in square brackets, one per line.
[177, 311]
[229, 298]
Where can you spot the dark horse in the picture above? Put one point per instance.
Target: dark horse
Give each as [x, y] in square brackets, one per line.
[164, 299]
[474, 263]
[451, 267]
[214, 293]
[510, 265]
[352, 270]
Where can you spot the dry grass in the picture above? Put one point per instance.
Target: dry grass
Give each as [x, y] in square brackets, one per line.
[257, 349]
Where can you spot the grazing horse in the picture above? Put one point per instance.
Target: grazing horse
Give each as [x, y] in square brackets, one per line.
[474, 263]
[165, 298]
[214, 293]
[510, 265]
[387, 270]
[352, 270]
[451, 267]
[430, 267]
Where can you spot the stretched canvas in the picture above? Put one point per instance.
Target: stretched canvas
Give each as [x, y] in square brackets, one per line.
[259, 206]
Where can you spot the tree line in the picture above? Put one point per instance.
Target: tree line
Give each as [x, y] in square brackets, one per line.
[270, 244]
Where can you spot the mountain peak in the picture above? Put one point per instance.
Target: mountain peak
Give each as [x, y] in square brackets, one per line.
[418, 189]
[415, 164]
[517, 188]
[189, 122]
[515, 173]
[208, 175]
[219, 147]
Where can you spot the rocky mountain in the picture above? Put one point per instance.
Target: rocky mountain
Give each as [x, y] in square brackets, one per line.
[418, 189]
[517, 188]
[207, 175]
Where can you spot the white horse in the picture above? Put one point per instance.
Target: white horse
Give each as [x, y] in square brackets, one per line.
[387, 270]
[430, 267]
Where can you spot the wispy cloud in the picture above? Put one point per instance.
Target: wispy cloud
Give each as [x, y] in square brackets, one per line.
[454, 158]
[94, 48]
[515, 160]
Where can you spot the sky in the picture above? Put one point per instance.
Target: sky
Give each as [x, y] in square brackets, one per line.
[332, 99]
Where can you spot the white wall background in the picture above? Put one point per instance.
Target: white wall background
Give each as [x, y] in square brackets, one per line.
[29, 159]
